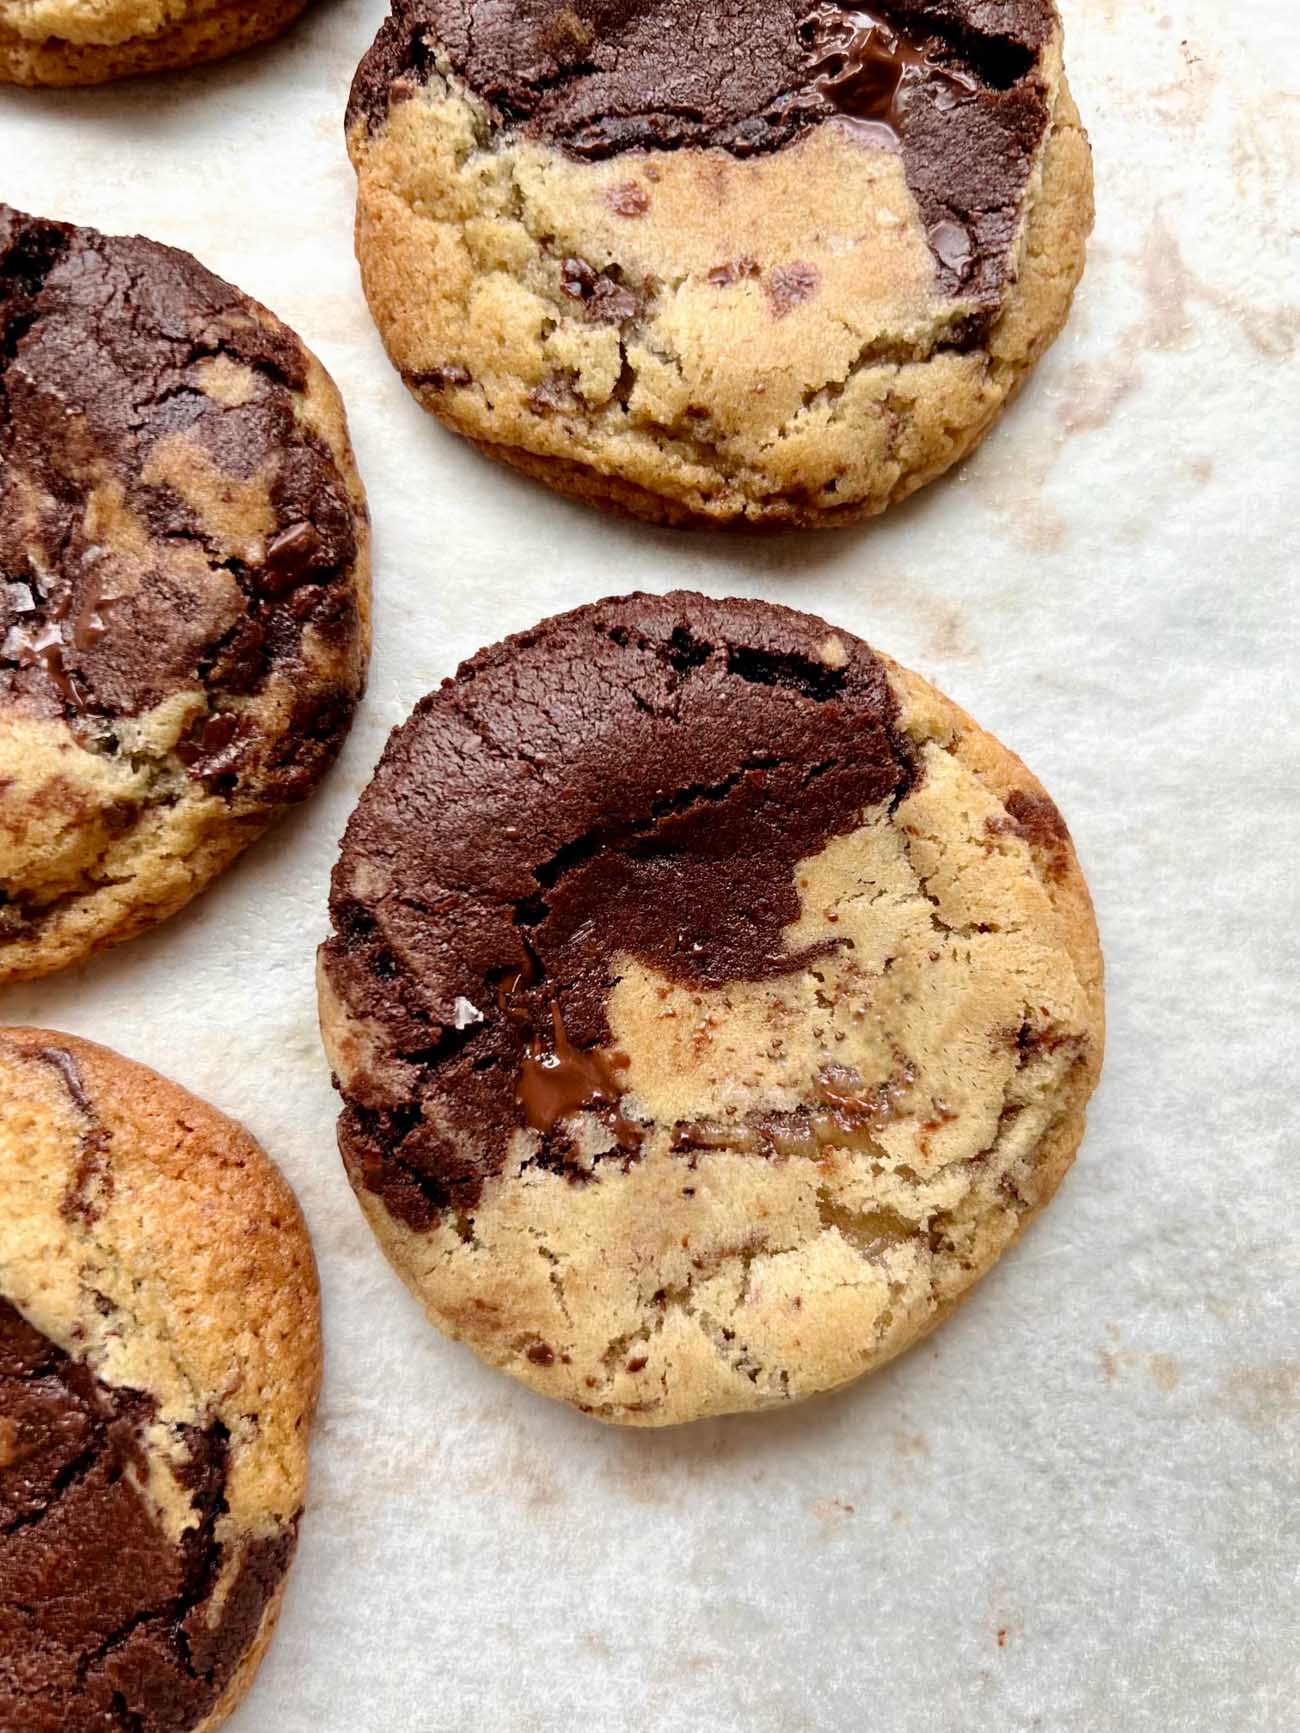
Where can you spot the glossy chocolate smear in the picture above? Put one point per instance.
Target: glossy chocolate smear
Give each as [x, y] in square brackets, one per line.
[868, 69]
[104, 1621]
[639, 778]
[953, 84]
[116, 592]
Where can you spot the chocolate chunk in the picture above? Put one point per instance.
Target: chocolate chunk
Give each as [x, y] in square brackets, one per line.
[734, 271]
[955, 85]
[440, 378]
[607, 301]
[791, 285]
[106, 1622]
[213, 748]
[639, 778]
[628, 199]
[553, 396]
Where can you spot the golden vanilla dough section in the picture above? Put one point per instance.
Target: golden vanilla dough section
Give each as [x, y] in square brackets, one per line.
[106, 22]
[95, 848]
[767, 338]
[828, 1160]
[149, 1237]
[492, 230]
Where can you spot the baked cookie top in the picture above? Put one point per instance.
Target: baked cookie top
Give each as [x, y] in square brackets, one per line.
[711, 1002]
[184, 606]
[90, 24]
[78, 42]
[101, 22]
[698, 248]
[159, 1361]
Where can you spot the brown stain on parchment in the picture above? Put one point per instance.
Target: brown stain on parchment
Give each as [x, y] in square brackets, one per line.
[653, 1468]
[1164, 1370]
[832, 1511]
[949, 634]
[1096, 391]
[1266, 1397]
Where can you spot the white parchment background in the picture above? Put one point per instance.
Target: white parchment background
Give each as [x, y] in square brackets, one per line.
[1077, 1507]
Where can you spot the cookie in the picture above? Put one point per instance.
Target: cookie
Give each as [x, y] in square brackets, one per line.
[712, 1002]
[159, 1363]
[65, 42]
[751, 261]
[184, 583]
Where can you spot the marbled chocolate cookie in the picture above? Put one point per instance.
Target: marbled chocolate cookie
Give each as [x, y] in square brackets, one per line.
[748, 260]
[159, 1361]
[184, 583]
[712, 1002]
[62, 42]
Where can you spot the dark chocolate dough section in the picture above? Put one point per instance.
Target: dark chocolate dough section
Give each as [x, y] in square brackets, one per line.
[954, 84]
[103, 1619]
[103, 345]
[638, 778]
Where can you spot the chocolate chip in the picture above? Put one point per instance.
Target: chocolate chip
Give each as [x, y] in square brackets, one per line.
[606, 300]
[553, 395]
[629, 199]
[440, 379]
[789, 286]
[734, 271]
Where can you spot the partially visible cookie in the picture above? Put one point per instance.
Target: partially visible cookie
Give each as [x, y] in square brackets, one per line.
[159, 1364]
[66, 42]
[184, 583]
[712, 1003]
[746, 261]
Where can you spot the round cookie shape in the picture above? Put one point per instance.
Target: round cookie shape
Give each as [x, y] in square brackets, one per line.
[74, 42]
[159, 1365]
[712, 1002]
[754, 261]
[184, 583]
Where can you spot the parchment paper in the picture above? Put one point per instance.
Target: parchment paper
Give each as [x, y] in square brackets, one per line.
[1076, 1508]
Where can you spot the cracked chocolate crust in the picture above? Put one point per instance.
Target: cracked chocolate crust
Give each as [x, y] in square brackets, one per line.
[105, 1621]
[637, 777]
[954, 84]
[182, 536]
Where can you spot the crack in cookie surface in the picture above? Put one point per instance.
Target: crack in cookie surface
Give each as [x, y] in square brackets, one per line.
[678, 926]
